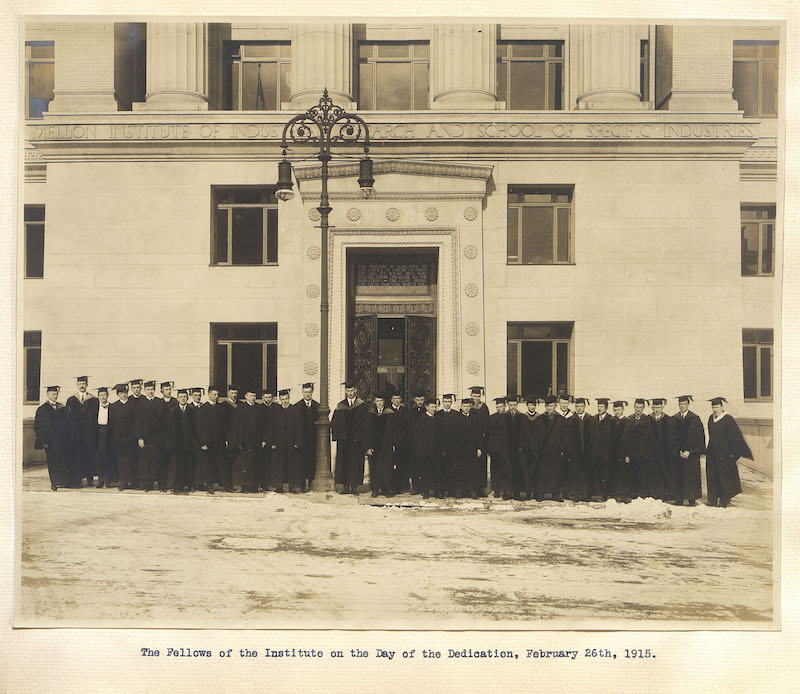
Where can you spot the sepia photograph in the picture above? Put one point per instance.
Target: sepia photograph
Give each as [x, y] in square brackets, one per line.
[399, 324]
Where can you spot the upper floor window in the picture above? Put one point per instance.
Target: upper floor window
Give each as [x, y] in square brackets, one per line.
[393, 76]
[39, 76]
[758, 240]
[530, 75]
[257, 75]
[32, 356]
[539, 225]
[755, 77]
[245, 225]
[757, 347]
[34, 240]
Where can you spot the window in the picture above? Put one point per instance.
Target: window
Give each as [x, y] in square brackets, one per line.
[32, 345]
[34, 240]
[39, 76]
[393, 76]
[245, 226]
[256, 75]
[530, 75]
[758, 240]
[644, 70]
[755, 77]
[538, 358]
[757, 361]
[539, 225]
[245, 354]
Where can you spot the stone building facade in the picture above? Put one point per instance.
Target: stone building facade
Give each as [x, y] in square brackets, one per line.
[583, 208]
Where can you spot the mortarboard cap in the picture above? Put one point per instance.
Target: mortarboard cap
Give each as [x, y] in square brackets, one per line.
[620, 403]
[582, 401]
[217, 388]
[565, 396]
[136, 382]
[349, 383]
[532, 398]
[550, 399]
[121, 388]
[250, 389]
[717, 400]
[450, 396]
[102, 389]
[147, 384]
[512, 398]
[466, 401]
[284, 391]
[658, 401]
[641, 401]
[183, 391]
[53, 389]
[232, 386]
[82, 379]
[685, 398]
[197, 389]
[499, 399]
[431, 401]
[476, 390]
[171, 384]
[308, 385]
[602, 401]
[418, 394]
[380, 395]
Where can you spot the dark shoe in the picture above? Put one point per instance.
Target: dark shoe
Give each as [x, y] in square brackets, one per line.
[426, 494]
[723, 502]
[374, 493]
[229, 490]
[54, 487]
[711, 502]
[101, 484]
[692, 502]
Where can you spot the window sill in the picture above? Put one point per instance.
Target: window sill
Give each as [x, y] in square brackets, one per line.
[570, 264]
[757, 401]
[275, 264]
[757, 276]
[36, 277]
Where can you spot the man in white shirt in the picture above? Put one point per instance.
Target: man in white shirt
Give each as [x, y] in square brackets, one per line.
[104, 457]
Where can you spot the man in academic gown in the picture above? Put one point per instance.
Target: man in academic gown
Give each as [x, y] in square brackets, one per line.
[527, 453]
[381, 445]
[182, 462]
[468, 440]
[498, 448]
[123, 436]
[411, 474]
[637, 445]
[169, 438]
[286, 444]
[601, 450]
[725, 446]
[81, 458]
[104, 465]
[663, 484]
[569, 468]
[52, 428]
[229, 407]
[196, 397]
[620, 482]
[553, 443]
[515, 426]
[307, 409]
[210, 460]
[447, 416]
[427, 442]
[349, 430]
[481, 412]
[149, 430]
[402, 434]
[581, 478]
[248, 439]
[688, 444]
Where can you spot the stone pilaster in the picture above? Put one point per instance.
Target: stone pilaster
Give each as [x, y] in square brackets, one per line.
[608, 68]
[463, 66]
[84, 69]
[177, 66]
[702, 70]
[322, 56]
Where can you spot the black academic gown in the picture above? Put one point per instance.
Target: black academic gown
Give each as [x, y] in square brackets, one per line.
[169, 444]
[581, 470]
[247, 440]
[402, 452]
[688, 435]
[447, 418]
[104, 463]
[285, 441]
[52, 428]
[554, 445]
[725, 446]
[209, 462]
[498, 447]
[481, 413]
[149, 427]
[663, 483]
[123, 440]
[602, 450]
[528, 454]
[638, 444]
[468, 439]
[306, 418]
[381, 440]
[181, 472]
[81, 445]
[620, 483]
[427, 442]
[230, 453]
[349, 430]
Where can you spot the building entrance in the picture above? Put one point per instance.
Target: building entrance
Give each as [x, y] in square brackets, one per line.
[392, 321]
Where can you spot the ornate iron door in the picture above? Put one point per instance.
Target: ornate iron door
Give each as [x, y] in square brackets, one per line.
[420, 355]
[365, 354]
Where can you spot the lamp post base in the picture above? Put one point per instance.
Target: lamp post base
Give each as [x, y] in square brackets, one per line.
[323, 479]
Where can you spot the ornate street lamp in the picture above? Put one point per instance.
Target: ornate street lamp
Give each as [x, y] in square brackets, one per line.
[324, 126]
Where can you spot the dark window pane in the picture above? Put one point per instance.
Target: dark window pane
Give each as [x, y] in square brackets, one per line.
[502, 79]
[749, 249]
[247, 364]
[366, 88]
[745, 86]
[749, 360]
[502, 50]
[562, 250]
[32, 338]
[34, 250]
[537, 368]
[527, 86]
[286, 84]
[537, 235]
[512, 378]
[526, 49]
[272, 367]
[272, 236]
[561, 367]
[221, 248]
[244, 196]
[390, 352]
[394, 50]
[366, 50]
[767, 232]
[766, 372]
[34, 213]
[33, 363]
[769, 89]
[420, 86]
[513, 234]
[221, 364]
[554, 97]
[744, 50]
[750, 212]
[42, 50]
[556, 50]
[259, 86]
[394, 86]
[247, 242]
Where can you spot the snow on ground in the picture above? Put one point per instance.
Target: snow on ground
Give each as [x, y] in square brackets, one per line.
[109, 558]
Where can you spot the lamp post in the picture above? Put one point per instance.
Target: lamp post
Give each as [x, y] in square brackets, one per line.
[324, 126]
